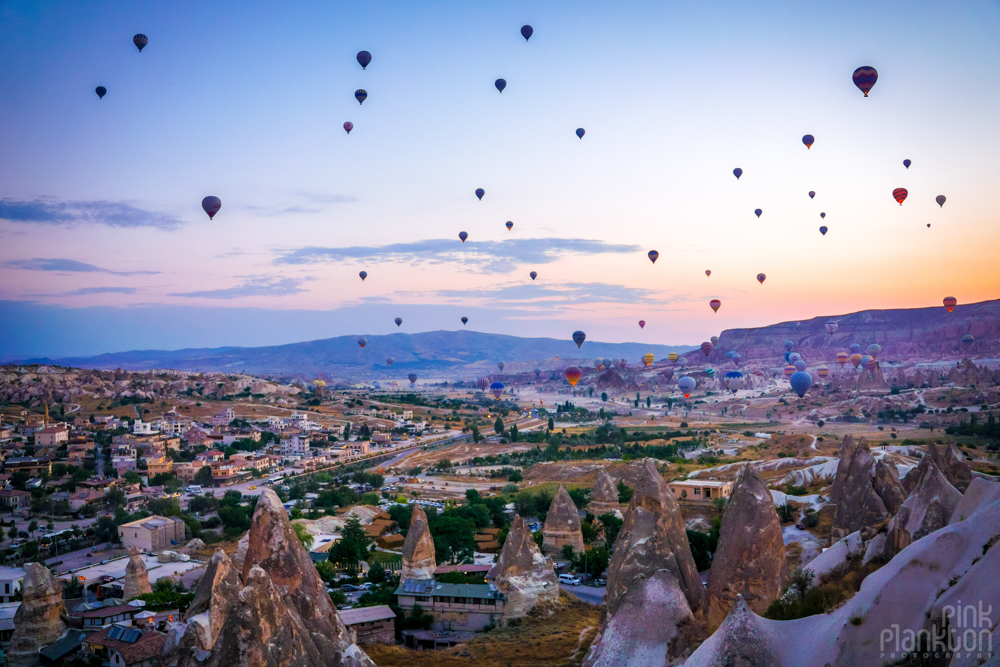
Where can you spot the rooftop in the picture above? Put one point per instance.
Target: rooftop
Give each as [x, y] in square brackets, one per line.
[432, 587]
[366, 614]
[134, 645]
[699, 483]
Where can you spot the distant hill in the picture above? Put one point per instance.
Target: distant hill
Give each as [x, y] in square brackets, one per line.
[434, 352]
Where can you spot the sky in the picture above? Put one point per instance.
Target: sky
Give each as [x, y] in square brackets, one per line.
[104, 245]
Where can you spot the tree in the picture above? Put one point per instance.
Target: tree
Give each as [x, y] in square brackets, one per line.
[567, 552]
[352, 546]
[498, 426]
[132, 477]
[473, 497]
[649, 402]
[476, 435]
[204, 476]
[552, 424]
[624, 492]
[513, 433]
[115, 498]
[453, 537]
[32, 527]
[612, 525]
[515, 476]
[12, 533]
[303, 534]
[347, 431]
[594, 561]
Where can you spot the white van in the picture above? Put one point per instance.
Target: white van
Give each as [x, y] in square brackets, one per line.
[569, 580]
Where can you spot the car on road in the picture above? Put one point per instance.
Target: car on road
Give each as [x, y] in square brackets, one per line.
[348, 588]
[367, 586]
[253, 487]
[569, 580]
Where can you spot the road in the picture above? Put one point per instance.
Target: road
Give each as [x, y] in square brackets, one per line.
[590, 594]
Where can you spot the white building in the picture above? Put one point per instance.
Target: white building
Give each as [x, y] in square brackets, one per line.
[146, 428]
[223, 418]
[10, 582]
[294, 444]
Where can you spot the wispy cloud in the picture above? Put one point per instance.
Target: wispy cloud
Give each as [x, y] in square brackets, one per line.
[486, 256]
[84, 291]
[567, 294]
[47, 211]
[252, 286]
[68, 266]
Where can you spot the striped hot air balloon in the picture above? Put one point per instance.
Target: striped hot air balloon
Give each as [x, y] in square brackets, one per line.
[968, 339]
[648, 359]
[789, 370]
[715, 304]
[673, 356]
[706, 348]
[483, 383]
[842, 358]
[899, 194]
[864, 78]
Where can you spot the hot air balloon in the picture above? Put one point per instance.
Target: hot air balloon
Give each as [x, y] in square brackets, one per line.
[538, 371]
[822, 371]
[573, 375]
[463, 236]
[363, 274]
[648, 359]
[870, 363]
[949, 303]
[533, 275]
[941, 199]
[579, 337]
[364, 58]
[789, 370]
[906, 163]
[360, 95]
[800, 381]
[757, 212]
[831, 327]
[687, 384]
[714, 340]
[580, 132]
[710, 372]
[140, 41]
[673, 356]
[823, 230]
[788, 356]
[362, 342]
[412, 377]
[348, 126]
[598, 363]
[734, 380]
[642, 324]
[668, 373]
[793, 357]
[854, 348]
[968, 339]
[389, 360]
[500, 365]
[496, 388]
[864, 78]
[652, 254]
[899, 194]
[812, 193]
[526, 32]
[708, 272]
[399, 321]
[479, 193]
[842, 358]
[808, 140]
[483, 383]
[856, 359]
[211, 206]
[800, 364]
[706, 348]
[737, 173]
[736, 358]
[729, 355]
[509, 225]
[874, 350]
[683, 361]
[465, 320]
[101, 91]
[789, 345]
[822, 215]
[715, 304]
[761, 278]
[500, 84]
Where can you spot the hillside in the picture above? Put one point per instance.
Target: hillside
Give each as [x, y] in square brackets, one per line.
[431, 352]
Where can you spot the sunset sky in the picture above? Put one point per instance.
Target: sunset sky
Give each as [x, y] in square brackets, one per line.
[104, 246]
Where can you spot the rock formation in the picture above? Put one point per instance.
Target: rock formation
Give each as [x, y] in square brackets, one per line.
[853, 494]
[750, 559]
[39, 620]
[524, 575]
[887, 486]
[644, 631]
[928, 508]
[418, 548]
[562, 525]
[276, 614]
[651, 538]
[951, 462]
[744, 640]
[604, 497]
[980, 493]
[136, 581]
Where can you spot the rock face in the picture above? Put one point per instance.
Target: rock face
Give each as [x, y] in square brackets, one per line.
[136, 581]
[750, 559]
[39, 620]
[562, 525]
[276, 614]
[743, 640]
[644, 630]
[887, 486]
[604, 497]
[853, 494]
[418, 548]
[524, 575]
[651, 538]
[928, 508]
[952, 463]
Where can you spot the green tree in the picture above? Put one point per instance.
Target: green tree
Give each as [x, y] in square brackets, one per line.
[12, 533]
[32, 527]
[624, 492]
[604, 396]
[203, 477]
[513, 433]
[347, 431]
[567, 552]
[552, 424]
[498, 426]
[612, 525]
[476, 435]
[515, 476]
[352, 546]
[304, 536]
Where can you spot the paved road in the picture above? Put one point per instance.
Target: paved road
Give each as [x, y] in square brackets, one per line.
[588, 594]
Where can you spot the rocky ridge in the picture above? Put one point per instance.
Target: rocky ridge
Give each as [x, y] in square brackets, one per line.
[524, 575]
[562, 525]
[418, 548]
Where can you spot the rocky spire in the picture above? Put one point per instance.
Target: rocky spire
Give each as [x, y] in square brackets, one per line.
[418, 548]
[952, 464]
[853, 494]
[750, 559]
[887, 485]
[136, 581]
[928, 508]
[202, 623]
[562, 524]
[651, 538]
[524, 575]
[39, 620]
[743, 639]
[604, 497]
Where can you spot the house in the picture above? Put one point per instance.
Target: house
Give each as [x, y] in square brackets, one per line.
[10, 582]
[158, 465]
[34, 467]
[695, 490]
[225, 473]
[465, 607]
[294, 443]
[105, 616]
[370, 625]
[140, 427]
[13, 499]
[211, 456]
[123, 463]
[126, 647]
[82, 497]
[223, 418]
[154, 533]
[7, 611]
[194, 437]
[186, 471]
[51, 437]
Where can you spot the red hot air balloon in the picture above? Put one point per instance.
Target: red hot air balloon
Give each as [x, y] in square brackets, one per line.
[510, 225]
[950, 302]
[715, 304]
[761, 278]
[808, 140]
[533, 275]
[642, 324]
[463, 236]
[652, 254]
[899, 194]
[211, 206]
[363, 274]
[573, 375]
[364, 58]
[527, 31]
[348, 126]
[865, 78]
[708, 272]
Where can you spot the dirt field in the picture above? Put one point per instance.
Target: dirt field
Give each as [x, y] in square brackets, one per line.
[459, 453]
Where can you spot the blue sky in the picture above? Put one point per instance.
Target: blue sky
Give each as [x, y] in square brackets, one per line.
[100, 216]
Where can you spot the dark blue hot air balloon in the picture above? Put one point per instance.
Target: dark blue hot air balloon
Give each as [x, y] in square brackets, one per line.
[800, 381]
[854, 348]
[497, 389]
[907, 163]
[823, 230]
[757, 212]
[465, 320]
[360, 95]
[865, 78]
[800, 364]
[788, 357]
[364, 58]
[140, 41]
[808, 140]
[101, 92]
[579, 337]
[500, 84]
[737, 173]
[526, 32]
[479, 193]
[789, 345]
[463, 236]
[537, 371]
[580, 132]
[399, 321]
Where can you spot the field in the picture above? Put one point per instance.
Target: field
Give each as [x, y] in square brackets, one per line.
[460, 452]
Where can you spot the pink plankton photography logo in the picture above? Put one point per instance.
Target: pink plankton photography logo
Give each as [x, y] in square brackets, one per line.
[961, 632]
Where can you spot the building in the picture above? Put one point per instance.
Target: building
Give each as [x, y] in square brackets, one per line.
[7, 611]
[294, 443]
[223, 418]
[158, 465]
[13, 499]
[694, 490]
[82, 497]
[140, 427]
[186, 471]
[117, 646]
[225, 473]
[34, 467]
[105, 616]
[51, 437]
[211, 456]
[123, 463]
[461, 607]
[10, 582]
[370, 625]
[154, 533]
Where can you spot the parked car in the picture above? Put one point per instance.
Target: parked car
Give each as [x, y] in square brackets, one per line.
[348, 588]
[569, 580]
[367, 586]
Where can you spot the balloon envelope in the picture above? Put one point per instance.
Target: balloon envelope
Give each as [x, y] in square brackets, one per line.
[673, 356]
[831, 327]
[580, 132]
[579, 337]
[793, 357]
[500, 365]
[533, 275]
[509, 225]
[899, 194]
[101, 91]
[968, 339]
[573, 375]
[500, 84]
[789, 345]
[363, 274]
[822, 371]
[211, 206]
[463, 236]
[479, 193]
[737, 173]
[812, 193]
[140, 41]
[736, 359]
[648, 358]
[907, 163]
[538, 371]
[496, 388]
[642, 324]
[856, 359]
[734, 380]
[668, 373]
[808, 140]
[362, 341]
[761, 278]
[389, 360]
[348, 126]
[800, 365]
[950, 302]
[714, 340]
[941, 199]
[842, 358]
[706, 348]
[864, 78]
[412, 377]
[483, 383]
[757, 212]
[823, 230]
[708, 272]
[598, 363]
[874, 349]
[399, 321]
[526, 32]
[687, 384]
[853, 348]
[465, 320]
[360, 95]
[364, 58]
[822, 215]
[789, 371]
[800, 381]
[652, 254]
[715, 304]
